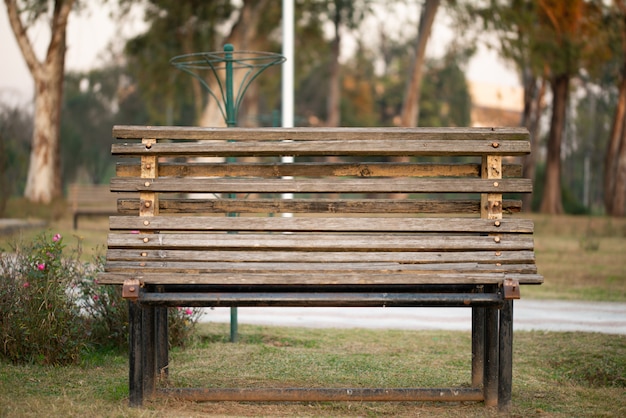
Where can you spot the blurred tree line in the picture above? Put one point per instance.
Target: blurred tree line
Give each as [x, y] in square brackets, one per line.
[559, 67]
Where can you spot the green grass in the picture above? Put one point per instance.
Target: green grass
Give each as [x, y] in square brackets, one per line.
[555, 374]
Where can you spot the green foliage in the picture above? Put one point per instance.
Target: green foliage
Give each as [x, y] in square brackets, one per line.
[39, 323]
[52, 308]
[15, 135]
[445, 99]
[175, 28]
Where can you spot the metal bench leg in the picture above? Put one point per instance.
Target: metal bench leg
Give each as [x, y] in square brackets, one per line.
[478, 346]
[505, 378]
[491, 357]
[135, 361]
[149, 351]
[162, 343]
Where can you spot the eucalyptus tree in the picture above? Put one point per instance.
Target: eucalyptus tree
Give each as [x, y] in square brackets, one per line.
[410, 106]
[44, 170]
[615, 157]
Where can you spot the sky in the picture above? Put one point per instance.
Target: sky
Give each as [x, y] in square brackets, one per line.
[90, 32]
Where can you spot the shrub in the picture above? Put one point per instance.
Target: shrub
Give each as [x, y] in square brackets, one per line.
[52, 307]
[39, 321]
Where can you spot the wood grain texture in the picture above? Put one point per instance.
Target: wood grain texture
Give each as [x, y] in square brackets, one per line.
[193, 168]
[304, 134]
[365, 185]
[317, 206]
[320, 224]
[364, 217]
[320, 242]
[294, 255]
[351, 279]
[365, 147]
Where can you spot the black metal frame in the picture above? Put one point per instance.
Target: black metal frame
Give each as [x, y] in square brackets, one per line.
[492, 339]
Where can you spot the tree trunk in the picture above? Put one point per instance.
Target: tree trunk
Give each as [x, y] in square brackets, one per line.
[333, 104]
[551, 200]
[619, 189]
[43, 182]
[533, 108]
[611, 160]
[410, 106]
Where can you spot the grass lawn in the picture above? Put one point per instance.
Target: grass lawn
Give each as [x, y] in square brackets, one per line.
[555, 374]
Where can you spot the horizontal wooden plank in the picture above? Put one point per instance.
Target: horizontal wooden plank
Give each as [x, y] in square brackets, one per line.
[346, 206]
[303, 134]
[365, 185]
[314, 268]
[320, 242]
[320, 224]
[385, 147]
[319, 169]
[405, 257]
[321, 279]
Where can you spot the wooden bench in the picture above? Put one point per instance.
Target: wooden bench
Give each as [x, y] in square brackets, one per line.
[373, 217]
[91, 200]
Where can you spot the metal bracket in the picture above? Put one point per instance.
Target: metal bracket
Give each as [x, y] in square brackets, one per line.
[130, 289]
[511, 289]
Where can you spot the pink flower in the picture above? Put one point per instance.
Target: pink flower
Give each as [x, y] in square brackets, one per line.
[41, 266]
[95, 298]
[188, 311]
[56, 237]
[26, 285]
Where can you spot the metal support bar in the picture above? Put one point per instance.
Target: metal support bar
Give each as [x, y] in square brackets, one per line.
[505, 378]
[478, 346]
[149, 350]
[162, 342]
[135, 358]
[491, 357]
[326, 394]
[327, 299]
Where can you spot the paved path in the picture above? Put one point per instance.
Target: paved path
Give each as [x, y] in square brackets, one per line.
[9, 225]
[548, 315]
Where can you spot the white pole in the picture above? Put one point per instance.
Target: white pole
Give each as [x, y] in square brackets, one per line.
[288, 66]
[287, 77]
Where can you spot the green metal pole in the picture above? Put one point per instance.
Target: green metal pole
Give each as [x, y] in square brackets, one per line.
[231, 121]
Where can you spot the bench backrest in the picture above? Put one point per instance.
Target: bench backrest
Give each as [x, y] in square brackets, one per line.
[431, 195]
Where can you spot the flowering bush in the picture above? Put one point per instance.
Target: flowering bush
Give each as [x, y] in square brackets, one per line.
[39, 321]
[52, 308]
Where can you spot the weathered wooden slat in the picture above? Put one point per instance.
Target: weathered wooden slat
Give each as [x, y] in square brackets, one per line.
[347, 206]
[502, 257]
[366, 185]
[319, 224]
[322, 279]
[321, 242]
[365, 147]
[308, 268]
[194, 169]
[303, 134]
